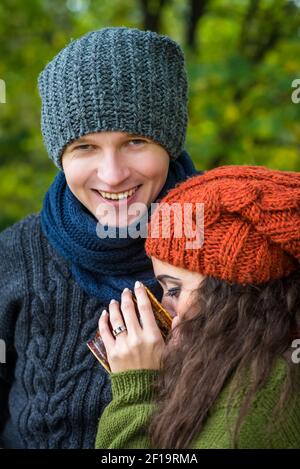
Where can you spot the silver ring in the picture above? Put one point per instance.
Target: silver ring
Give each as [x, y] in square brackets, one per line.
[118, 330]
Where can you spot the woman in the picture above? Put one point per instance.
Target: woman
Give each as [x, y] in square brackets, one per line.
[227, 377]
[114, 116]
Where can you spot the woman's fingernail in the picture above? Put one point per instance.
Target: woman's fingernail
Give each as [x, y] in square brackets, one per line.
[112, 302]
[104, 312]
[137, 284]
[126, 290]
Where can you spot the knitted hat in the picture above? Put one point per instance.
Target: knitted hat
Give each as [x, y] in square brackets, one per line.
[115, 79]
[251, 225]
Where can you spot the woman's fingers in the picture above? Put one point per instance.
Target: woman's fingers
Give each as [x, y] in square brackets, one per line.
[140, 347]
[115, 316]
[105, 332]
[129, 312]
[145, 307]
[123, 317]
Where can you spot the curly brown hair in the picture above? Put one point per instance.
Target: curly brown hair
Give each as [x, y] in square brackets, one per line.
[239, 331]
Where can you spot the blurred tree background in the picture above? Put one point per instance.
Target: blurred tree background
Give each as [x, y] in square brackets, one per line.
[242, 57]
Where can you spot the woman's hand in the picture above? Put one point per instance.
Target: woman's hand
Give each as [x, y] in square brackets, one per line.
[136, 347]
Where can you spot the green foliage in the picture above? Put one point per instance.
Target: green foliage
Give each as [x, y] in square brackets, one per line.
[245, 57]
[241, 109]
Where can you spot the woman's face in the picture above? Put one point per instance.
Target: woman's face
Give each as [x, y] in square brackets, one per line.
[110, 171]
[179, 288]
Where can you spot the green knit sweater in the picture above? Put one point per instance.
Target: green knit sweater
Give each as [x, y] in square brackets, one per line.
[124, 421]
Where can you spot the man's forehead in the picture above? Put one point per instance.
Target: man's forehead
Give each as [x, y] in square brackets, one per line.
[95, 135]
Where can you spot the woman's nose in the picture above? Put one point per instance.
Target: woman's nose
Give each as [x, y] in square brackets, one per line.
[166, 304]
[175, 322]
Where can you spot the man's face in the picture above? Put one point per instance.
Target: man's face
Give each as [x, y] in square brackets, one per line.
[114, 170]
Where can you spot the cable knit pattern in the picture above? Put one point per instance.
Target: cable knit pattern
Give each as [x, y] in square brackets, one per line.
[56, 388]
[118, 79]
[251, 225]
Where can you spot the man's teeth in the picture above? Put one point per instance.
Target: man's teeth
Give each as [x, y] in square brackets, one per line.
[119, 196]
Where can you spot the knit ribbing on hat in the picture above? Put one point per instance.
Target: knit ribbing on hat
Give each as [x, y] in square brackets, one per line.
[251, 225]
[115, 79]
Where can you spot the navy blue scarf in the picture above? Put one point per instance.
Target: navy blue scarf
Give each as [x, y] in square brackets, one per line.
[102, 267]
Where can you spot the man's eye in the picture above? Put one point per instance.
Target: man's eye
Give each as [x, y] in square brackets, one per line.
[84, 147]
[173, 292]
[136, 141]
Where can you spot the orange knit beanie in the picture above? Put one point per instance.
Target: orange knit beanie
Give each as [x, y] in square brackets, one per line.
[251, 225]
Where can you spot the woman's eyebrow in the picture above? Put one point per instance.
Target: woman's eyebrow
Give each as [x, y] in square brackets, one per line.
[161, 278]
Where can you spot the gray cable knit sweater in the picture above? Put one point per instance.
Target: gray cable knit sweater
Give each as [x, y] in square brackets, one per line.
[52, 389]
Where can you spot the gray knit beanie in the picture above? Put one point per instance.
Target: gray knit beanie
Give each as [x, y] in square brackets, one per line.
[115, 79]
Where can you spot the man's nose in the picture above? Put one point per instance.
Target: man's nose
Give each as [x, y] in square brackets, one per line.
[112, 169]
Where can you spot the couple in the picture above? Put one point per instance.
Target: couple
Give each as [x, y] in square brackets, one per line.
[114, 117]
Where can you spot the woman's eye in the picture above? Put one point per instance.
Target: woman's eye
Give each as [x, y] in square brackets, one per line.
[173, 292]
